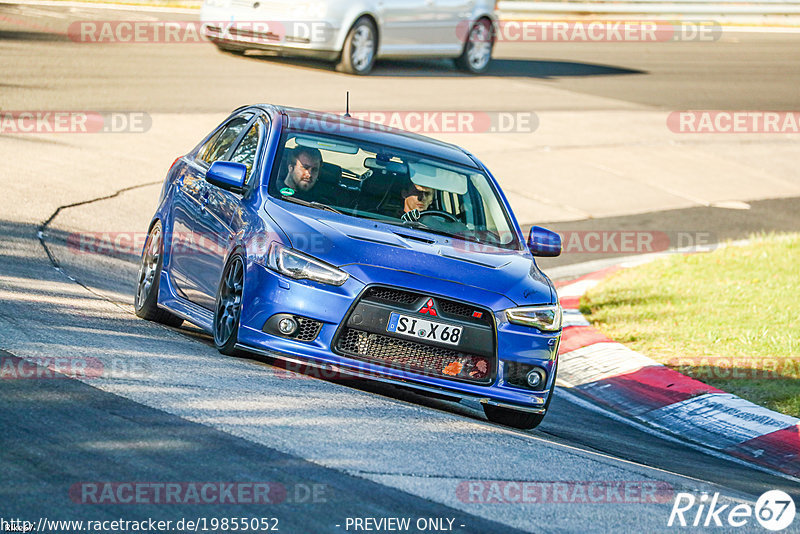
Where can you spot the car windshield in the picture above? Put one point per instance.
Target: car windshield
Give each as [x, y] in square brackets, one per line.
[383, 183]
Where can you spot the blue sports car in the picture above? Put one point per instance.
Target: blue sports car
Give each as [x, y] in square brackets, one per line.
[349, 246]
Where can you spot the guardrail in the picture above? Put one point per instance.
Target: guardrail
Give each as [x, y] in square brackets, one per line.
[624, 7]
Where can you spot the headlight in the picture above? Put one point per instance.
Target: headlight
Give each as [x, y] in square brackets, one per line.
[301, 267]
[545, 318]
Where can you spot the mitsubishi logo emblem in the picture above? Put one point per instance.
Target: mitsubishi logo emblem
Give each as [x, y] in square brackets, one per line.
[428, 308]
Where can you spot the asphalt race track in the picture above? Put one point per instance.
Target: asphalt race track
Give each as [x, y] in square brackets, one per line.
[170, 409]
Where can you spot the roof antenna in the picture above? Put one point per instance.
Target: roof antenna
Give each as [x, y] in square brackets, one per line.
[347, 112]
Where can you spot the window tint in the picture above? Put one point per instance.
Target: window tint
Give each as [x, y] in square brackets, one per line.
[246, 151]
[216, 147]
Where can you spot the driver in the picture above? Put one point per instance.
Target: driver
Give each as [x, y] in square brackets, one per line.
[303, 170]
[416, 198]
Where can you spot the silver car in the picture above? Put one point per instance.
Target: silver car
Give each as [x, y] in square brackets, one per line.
[354, 33]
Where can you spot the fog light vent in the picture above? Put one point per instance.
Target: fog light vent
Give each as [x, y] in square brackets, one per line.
[293, 326]
[524, 375]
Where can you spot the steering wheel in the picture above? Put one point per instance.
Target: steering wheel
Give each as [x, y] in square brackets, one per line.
[436, 213]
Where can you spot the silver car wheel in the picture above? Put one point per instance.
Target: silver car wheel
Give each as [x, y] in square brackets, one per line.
[479, 49]
[363, 47]
[149, 268]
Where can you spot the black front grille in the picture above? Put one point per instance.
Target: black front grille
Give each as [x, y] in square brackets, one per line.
[387, 294]
[414, 357]
[450, 307]
[445, 307]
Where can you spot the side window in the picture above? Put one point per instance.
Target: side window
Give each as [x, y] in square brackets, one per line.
[216, 147]
[248, 148]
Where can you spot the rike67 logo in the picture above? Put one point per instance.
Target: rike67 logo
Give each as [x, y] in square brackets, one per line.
[774, 510]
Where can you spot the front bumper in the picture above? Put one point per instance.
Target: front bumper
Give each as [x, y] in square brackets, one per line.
[244, 31]
[333, 306]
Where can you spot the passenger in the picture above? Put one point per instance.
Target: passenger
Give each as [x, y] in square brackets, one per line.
[303, 170]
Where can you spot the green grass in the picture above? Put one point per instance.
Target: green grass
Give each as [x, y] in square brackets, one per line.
[730, 318]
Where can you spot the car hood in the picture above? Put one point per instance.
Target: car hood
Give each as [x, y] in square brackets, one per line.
[348, 242]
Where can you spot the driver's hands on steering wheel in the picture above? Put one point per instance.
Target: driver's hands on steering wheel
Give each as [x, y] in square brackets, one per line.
[411, 216]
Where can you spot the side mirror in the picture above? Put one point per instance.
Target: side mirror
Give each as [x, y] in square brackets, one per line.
[544, 242]
[227, 175]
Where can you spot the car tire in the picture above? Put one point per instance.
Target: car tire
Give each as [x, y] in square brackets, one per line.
[517, 418]
[146, 299]
[478, 45]
[360, 48]
[228, 307]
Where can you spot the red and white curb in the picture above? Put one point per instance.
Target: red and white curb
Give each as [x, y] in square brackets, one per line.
[618, 378]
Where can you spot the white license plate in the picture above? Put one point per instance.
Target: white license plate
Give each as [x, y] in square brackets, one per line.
[415, 327]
